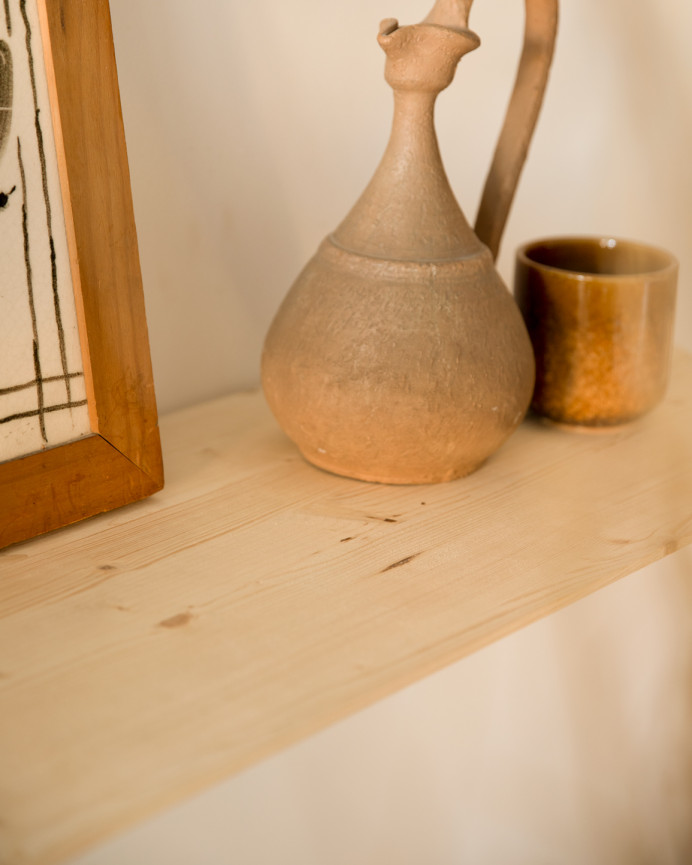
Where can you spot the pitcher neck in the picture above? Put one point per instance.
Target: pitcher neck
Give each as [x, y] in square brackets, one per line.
[408, 212]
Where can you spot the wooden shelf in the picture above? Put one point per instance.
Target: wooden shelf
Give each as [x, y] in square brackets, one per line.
[153, 651]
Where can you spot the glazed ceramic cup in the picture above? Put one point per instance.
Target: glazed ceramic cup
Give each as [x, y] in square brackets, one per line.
[599, 312]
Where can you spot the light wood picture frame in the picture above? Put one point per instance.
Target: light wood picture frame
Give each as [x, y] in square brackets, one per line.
[119, 460]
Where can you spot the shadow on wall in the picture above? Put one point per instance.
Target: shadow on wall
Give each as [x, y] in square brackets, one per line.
[212, 217]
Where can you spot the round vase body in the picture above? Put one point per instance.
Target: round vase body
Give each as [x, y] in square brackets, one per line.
[397, 371]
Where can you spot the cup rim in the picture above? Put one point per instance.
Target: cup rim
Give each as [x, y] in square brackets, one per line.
[606, 240]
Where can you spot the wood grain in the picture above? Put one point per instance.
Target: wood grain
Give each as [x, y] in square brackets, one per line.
[154, 650]
[122, 460]
[70, 483]
[96, 173]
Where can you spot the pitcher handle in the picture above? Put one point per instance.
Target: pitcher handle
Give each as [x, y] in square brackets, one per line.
[522, 113]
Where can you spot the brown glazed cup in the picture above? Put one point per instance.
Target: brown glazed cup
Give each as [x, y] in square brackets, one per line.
[599, 312]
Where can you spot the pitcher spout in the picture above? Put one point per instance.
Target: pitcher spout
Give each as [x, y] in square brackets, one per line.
[423, 56]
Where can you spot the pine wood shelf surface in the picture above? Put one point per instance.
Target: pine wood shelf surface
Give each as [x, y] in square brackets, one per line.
[152, 651]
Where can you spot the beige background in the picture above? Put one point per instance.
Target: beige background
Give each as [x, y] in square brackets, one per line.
[252, 128]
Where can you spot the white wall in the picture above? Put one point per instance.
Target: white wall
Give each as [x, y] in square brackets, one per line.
[252, 127]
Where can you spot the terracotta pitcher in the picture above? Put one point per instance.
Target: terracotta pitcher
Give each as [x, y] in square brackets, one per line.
[399, 355]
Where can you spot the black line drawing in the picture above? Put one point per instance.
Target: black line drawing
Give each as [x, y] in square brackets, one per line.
[5, 198]
[6, 87]
[30, 289]
[34, 264]
[46, 198]
[27, 384]
[42, 410]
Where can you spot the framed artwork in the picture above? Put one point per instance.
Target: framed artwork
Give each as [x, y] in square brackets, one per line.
[78, 424]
